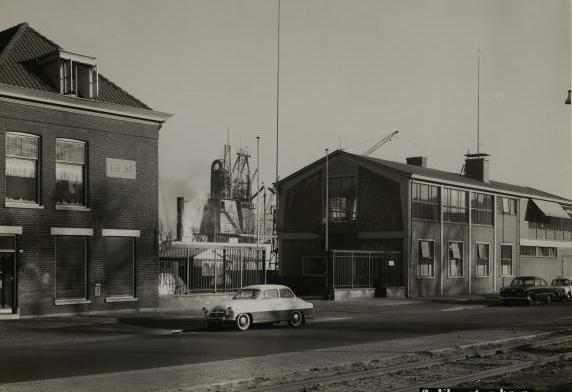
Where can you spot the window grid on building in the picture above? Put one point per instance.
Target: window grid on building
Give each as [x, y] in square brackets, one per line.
[506, 205]
[425, 201]
[482, 209]
[22, 155]
[538, 251]
[70, 171]
[506, 260]
[342, 200]
[482, 264]
[426, 259]
[455, 263]
[454, 205]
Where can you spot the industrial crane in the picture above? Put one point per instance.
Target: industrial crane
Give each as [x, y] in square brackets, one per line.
[380, 143]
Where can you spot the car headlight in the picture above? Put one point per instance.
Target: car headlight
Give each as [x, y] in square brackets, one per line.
[229, 312]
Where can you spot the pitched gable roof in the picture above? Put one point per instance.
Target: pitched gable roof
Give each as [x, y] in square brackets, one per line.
[436, 176]
[21, 45]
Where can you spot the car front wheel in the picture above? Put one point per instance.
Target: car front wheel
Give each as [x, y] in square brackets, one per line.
[242, 322]
[296, 319]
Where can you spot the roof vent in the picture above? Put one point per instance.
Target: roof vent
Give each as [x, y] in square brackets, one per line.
[417, 161]
[477, 167]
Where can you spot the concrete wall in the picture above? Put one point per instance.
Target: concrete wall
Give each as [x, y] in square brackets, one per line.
[114, 203]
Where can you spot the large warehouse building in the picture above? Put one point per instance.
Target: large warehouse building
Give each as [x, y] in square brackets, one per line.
[78, 225]
[406, 229]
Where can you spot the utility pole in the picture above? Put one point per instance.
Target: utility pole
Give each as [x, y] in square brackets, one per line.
[327, 212]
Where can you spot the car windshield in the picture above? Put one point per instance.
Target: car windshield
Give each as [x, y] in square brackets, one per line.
[247, 294]
[519, 282]
[561, 282]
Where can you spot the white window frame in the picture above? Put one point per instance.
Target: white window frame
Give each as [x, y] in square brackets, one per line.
[24, 204]
[84, 175]
[511, 260]
[488, 274]
[418, 272]
[462, 254]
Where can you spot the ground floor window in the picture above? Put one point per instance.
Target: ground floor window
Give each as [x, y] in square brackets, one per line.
[482, 264]
[426, 259]
[120, 266]
[538, 251]
[455, 259]
[71, 268]
[506, 260]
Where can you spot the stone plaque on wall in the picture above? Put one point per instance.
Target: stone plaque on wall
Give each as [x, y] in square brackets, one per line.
[121, 168]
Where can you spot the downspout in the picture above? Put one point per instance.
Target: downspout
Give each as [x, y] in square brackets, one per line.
[410, 239]
[495, 243]
[442, 240]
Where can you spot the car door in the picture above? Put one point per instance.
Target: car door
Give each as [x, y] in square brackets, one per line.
[270, 306]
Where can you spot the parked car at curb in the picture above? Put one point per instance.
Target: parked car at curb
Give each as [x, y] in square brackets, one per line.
[260, 304]
[529, 289]
[564, 283]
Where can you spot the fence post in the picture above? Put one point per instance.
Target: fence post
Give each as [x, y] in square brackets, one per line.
[188, 282]
[333, 269]
[241, 268]
[223, 270]
[353, 264]
[263, 263]
[369, 271]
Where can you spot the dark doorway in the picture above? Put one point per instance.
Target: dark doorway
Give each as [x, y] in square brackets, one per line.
[7, 281]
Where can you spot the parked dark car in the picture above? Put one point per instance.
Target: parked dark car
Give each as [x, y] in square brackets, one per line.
[529, 289]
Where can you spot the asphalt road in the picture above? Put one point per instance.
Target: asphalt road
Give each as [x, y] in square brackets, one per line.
[335, 325]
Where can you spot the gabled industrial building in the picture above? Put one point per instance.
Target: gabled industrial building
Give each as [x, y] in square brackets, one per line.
[403, 228]
[79, 217]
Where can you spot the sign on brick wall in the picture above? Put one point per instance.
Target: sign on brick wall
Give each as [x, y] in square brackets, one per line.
[121, 168]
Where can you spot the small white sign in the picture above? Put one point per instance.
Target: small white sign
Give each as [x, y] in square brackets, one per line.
[121, 168]
[391, 263]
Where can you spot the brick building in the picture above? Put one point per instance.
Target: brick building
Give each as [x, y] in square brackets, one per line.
[427, 231]
[78, 225]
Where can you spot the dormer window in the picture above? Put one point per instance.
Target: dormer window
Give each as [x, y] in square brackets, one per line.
[72, 73]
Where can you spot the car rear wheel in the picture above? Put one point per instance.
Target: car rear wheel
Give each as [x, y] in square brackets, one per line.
[242, 322]
[296, 319]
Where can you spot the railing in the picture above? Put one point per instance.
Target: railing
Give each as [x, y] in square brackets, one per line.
[361, 269]
[184, 270]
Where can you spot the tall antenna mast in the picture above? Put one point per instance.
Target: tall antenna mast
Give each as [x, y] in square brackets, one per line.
[478, 100]
[277, 87]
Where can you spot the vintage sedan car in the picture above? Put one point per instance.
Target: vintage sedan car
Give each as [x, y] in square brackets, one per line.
[529, 289]
[564, 283]
[260, 304]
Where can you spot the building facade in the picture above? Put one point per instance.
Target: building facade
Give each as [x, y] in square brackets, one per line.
[79, 221]
[428, 231]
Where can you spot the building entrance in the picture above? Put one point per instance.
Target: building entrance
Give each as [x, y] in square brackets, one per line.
[7, 274]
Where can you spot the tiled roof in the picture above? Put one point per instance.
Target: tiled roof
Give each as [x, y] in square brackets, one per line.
[21, 45]
[437, 175]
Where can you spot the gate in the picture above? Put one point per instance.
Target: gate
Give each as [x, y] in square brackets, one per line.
[364, 269]
[184, 270]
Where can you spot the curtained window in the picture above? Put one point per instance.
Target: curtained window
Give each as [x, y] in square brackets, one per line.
[426, 260]
[22, 167]
[455, 259]
[506, 260]
[454, 205]
[482, 265]
[425, 201]
[70, 172]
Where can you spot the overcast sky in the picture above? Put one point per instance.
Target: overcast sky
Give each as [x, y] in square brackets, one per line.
[349, 71]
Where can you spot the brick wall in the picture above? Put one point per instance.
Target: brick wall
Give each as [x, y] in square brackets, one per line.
[114, 203]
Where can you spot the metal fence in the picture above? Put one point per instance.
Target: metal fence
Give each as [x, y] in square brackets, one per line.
[184, 270]
[363, 269]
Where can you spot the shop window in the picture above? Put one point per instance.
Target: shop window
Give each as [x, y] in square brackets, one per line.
[120, 266]
[342, 200]
[455, 259]
[454, 205]
[425, 201]
[70, 172]
[22, 153]
[482, 209]
[71, 267]
[482, 264]
[506, 260]
[426, 259]
[313, 266]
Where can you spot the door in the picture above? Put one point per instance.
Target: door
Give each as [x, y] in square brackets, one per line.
[7, 281]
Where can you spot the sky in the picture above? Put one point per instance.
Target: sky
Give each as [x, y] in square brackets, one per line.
[350, 71]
